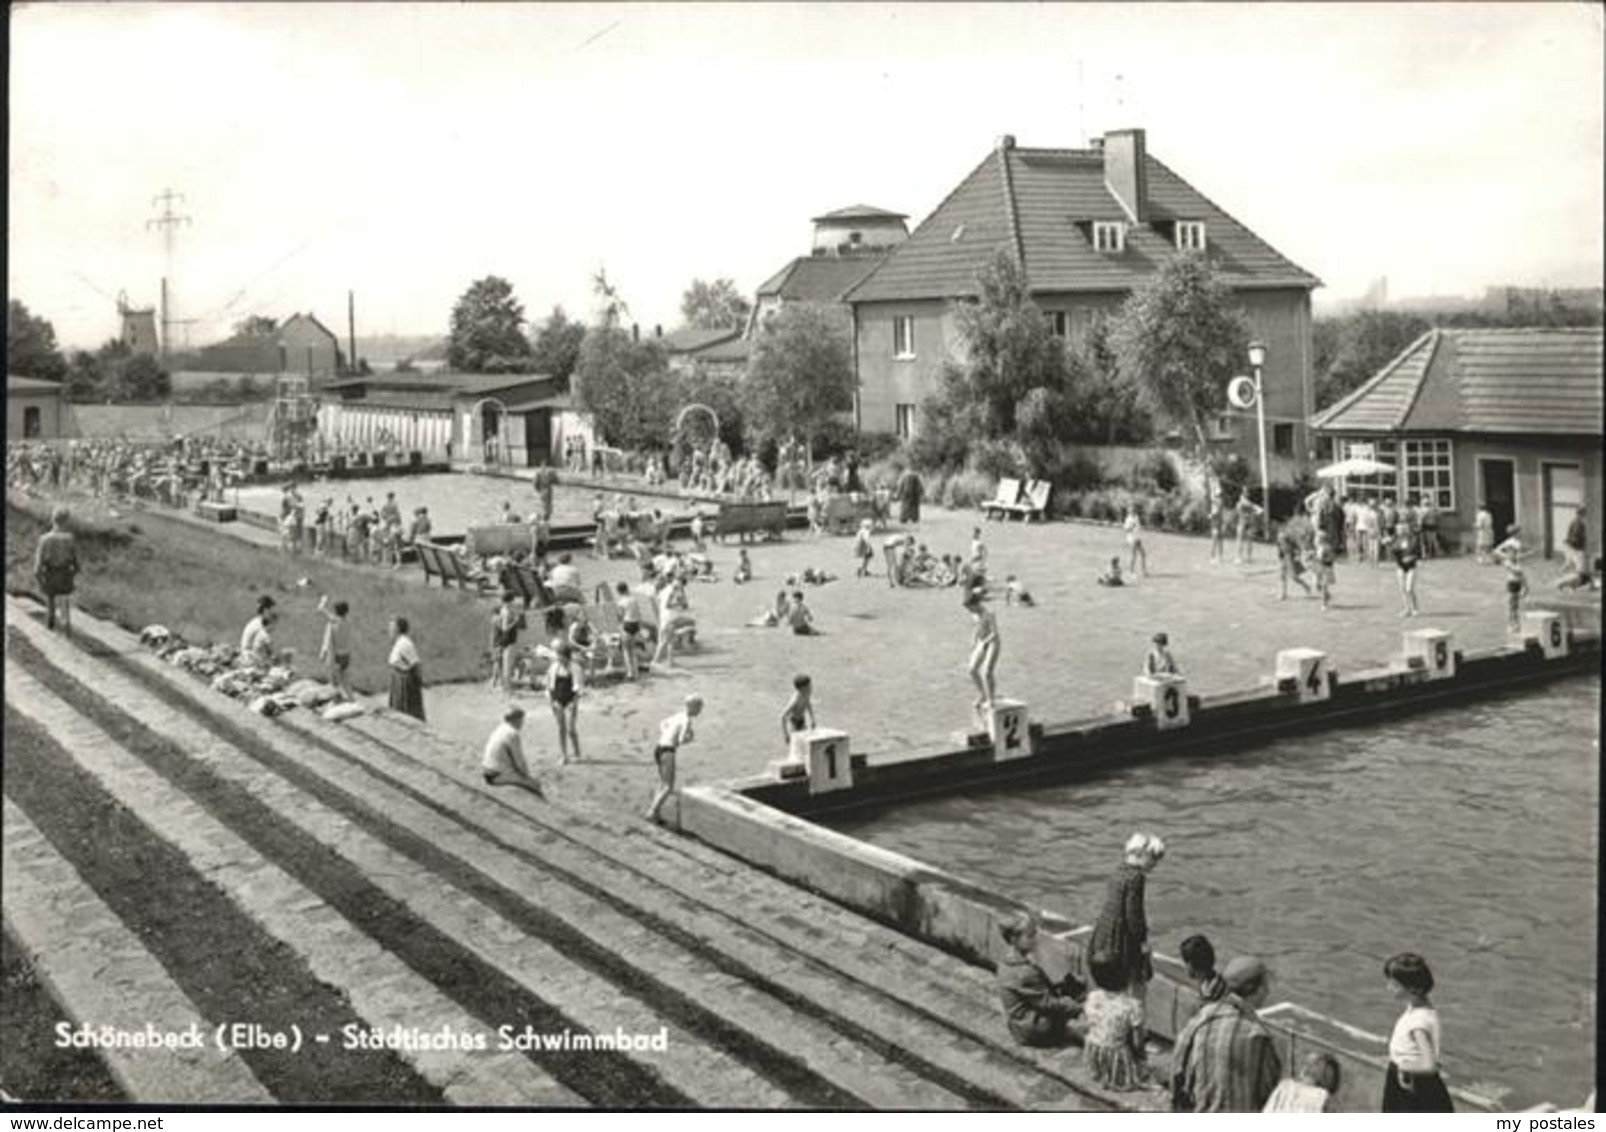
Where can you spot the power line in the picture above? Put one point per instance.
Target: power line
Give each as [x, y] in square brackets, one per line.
[166, 223]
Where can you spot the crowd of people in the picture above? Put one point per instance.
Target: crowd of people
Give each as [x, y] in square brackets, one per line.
[1224, 1058]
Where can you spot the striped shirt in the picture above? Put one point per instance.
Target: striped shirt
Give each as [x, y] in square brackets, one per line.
[1224, 1061]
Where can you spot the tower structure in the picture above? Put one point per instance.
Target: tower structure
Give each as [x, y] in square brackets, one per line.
[166, 223]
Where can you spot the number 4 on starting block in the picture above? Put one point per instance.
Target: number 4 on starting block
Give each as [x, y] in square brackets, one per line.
[1010, 729]
[1308, 670]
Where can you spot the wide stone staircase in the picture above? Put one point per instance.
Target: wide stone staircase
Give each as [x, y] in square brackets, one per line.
[172, 857]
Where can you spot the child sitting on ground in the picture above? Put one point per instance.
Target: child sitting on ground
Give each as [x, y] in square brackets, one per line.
[814, 577]
[774, 615]
[744, 568]
[1112, 575]
[800, 618]
[1200, 958]
[1311, 1090]
[1015, 591]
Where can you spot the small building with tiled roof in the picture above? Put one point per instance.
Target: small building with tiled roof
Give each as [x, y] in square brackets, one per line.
[1088, 225]
[34, 408]
[517, 419]
[849, 243]
[1507, 417]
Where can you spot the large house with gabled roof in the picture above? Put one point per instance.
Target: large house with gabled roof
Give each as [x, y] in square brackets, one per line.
[1510, 418]
[1088, 225]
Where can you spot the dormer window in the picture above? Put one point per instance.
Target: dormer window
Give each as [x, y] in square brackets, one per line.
[1109, 236]
[1190, 235]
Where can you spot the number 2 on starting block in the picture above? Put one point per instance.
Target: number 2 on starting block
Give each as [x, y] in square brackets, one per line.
[1307, 668]
[1010, 729]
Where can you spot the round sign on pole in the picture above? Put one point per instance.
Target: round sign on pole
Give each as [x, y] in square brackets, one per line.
[1241, 392]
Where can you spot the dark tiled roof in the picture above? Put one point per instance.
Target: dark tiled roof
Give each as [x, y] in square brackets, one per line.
[1545, 380]
[16, 384]
[735, 350]
[695, 339]
[861, 212]
[1051, 197]
[819, 278]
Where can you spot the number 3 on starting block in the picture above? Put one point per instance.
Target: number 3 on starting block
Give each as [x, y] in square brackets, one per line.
[1166, 697]
[1307, 668]
[1010, 729]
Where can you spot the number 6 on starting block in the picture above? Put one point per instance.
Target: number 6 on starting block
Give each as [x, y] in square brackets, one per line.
[1434, 649]
[825, 751]
[1545, 627]
[1166, 696]
[1010, 730]
[1307, 668]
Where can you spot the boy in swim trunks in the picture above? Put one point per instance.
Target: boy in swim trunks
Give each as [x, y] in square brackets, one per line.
[798, 715]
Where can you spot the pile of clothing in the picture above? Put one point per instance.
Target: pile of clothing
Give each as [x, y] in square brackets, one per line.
[267, 691]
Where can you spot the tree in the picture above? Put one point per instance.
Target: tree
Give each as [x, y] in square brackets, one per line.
[1350, 350]
[626, 388]
[255, 326]
[485, 335]
[1009, 348]
[31, 349]
[556, 349]
[1178, 340]
[142, 379]
[714, 306]
[114, 374]
[800, 374]
[1104, 405]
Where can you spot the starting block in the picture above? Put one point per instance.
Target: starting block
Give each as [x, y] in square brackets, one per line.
[1166, 696]
[824, 751]
[1010, 731]
[1307, 670]
[1433, 650]
[1545, 627]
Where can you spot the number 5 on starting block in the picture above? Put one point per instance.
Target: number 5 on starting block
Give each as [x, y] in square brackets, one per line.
[1010, 730]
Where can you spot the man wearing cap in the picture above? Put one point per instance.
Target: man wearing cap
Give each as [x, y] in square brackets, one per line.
[1224, 1059]
[503, 762]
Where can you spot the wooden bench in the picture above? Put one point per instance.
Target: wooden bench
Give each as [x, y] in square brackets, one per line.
[744, 519]
[505, 539]
[1004, 501]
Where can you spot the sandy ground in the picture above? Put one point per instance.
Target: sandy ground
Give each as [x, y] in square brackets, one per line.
[890, 666]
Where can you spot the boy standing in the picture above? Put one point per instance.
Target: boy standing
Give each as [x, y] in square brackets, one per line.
[673, 734]
[336, 650]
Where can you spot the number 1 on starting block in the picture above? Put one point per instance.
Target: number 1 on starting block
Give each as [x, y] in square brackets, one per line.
[825, 752]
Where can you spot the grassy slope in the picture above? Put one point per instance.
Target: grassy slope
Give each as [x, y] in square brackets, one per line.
[204, 584]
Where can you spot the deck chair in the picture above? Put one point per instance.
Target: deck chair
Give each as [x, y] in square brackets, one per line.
[1036, 504]
[461, 574]
[1004, 501]
[429, 559]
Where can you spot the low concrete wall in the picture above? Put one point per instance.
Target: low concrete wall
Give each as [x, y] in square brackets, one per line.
[963, 919]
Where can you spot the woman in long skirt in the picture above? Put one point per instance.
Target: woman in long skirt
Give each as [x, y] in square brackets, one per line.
[406, 678]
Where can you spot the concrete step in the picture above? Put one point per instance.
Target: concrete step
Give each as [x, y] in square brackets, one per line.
[382, 990]
[874, 985]
[103, 976]
[699, 1071]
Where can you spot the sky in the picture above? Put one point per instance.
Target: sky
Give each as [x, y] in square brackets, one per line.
[402, 151]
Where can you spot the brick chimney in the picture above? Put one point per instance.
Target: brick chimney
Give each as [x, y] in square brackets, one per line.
[1125, 172]
[1004, 141]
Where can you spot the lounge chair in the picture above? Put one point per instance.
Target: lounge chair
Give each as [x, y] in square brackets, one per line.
[452, 563]
[429, 559]
[1036, 503]
[1005, 501]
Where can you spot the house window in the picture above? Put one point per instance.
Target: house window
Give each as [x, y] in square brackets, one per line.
[1190, 235]
[1423, 468]
[904, 421]
[903, 336]
[1282, 439]
[1109, 236]
[31, 422]
[1060, 321]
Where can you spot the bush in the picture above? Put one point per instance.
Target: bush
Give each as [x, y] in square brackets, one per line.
[998, 459]
[1081, 471]
[1158, 471]
[883, 473]
[875, 447]
[965, 491]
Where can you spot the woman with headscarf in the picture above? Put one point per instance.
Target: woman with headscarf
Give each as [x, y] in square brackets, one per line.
[406, 678]
[1120, 939]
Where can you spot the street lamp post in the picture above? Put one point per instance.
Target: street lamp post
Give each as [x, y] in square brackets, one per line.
[1257, 361]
